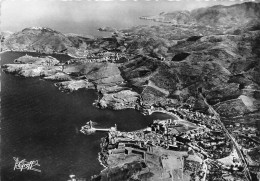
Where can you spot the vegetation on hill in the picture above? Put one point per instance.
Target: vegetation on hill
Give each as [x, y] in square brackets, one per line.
[208, 52]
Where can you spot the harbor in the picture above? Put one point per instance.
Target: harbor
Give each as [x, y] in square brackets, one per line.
[55, 120]
[171, 146]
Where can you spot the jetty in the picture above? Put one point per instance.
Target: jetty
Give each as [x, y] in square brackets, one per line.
[88, 128]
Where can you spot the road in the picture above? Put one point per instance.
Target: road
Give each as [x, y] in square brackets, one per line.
[252, 90]
[248, 175]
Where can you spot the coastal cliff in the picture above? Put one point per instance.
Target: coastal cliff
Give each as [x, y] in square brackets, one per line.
[188, 63]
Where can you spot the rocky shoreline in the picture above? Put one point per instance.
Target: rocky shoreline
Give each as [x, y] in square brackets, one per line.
[198, 71]
[107, 82]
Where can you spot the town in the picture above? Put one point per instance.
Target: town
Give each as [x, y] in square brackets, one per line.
[191, 144]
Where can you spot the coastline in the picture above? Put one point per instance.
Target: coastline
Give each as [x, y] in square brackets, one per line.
[146, 111]
[100, 161]
[5, 51]
[195, 73]
[42, 53]
[70, 83]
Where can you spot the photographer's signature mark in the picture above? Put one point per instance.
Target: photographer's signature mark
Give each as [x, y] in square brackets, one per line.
[25, 165]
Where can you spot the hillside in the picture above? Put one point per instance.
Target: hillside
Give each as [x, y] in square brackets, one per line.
[225, 16]
[234, 15]
[208, 57]
[46, 40]
[38, 39]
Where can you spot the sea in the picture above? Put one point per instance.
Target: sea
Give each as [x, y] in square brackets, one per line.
[41, 123]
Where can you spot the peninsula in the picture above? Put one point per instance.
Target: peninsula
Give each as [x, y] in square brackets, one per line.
[201, 67]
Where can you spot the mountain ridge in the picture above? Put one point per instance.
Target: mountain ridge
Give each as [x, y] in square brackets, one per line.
[215, 16]
[184, 68]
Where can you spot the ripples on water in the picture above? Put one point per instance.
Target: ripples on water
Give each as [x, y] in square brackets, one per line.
[41, 123]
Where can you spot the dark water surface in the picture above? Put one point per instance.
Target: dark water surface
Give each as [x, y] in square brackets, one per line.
[41, 123]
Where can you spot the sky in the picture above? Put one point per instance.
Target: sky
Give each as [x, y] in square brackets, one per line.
[85, 16]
